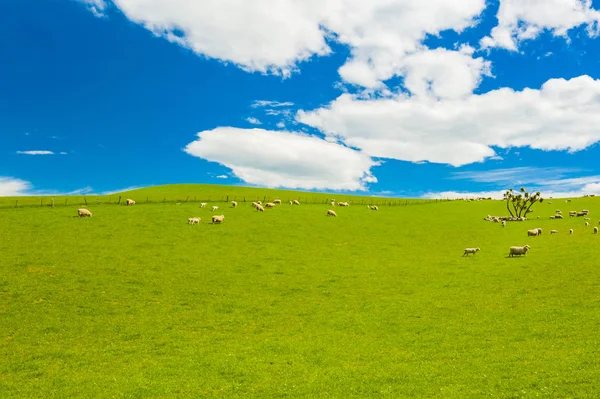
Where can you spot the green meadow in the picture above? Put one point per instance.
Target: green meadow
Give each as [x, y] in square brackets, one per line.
[136, 303]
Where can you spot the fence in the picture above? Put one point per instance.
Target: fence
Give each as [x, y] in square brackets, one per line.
[29, 202]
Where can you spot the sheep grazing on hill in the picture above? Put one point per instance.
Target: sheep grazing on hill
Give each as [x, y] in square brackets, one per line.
[202, 204]
[332, 203]
[129, 202]
[84, 213]
[193, 221]
[532, 232]
[291, 202]
[214, 208]
[374, 208]
[518, 250]
[559, 216]
[277, 201]
[218, 219]
[260, 208]
[343, 204]
[570, 231]
[269, 205]
[587, 218]
[587, 224]
[233, 204]
[259, 202]
[572, 213]
[553, 231]
[504, 223]
[470, 251]
[539, 231]
[331, 213]
[595, 230]
[585, 211]
[581, 214]
[254, 204]
[296, 202]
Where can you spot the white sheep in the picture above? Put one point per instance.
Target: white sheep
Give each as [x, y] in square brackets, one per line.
[553, 231]
[277, 201]
[259, 202]
[193, 221]
[296, 202]
[533, 232]
[202, 204]
[504, 223]
[129, 202]
[331, 213]
[218, 219]
[375, 208]
[291, 202]
[84, 213]
[587, 218]
[570, 231]
[260, 208]
[269, 205]
[332, 203]
[595, 230]
[470, 251]
[233, 204]
[518, 250]
[587, 224]
[214, 208]
[254, 204]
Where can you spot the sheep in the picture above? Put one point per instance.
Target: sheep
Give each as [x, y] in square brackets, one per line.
[214, 208]
[203, 205]
[570, 231]
[518, 250]
[296, 202]
[572, 213]
[84, 213]
[375, 208]
[587, 224]
[129, 202]
[532, 232]
[277, 201]
[471, 251]
[233, 204]
[269, 205]
[553, 231]
[595, 230]
[587, 218]
[254, 204]
[504, 223]
[218, 219]
[539, 231]
[538, 217]
[193, 221]
[343, 204]
[260, 208]
[259, 202]
[332, 203]
[559, 216]
[585, 211]
[558, 211]
[291, 202]
[331, 213]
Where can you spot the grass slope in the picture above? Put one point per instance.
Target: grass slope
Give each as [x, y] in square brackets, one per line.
[134, 303]
[198, 193]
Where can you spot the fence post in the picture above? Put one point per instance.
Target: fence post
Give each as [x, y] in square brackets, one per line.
[186, 200]
[66, 199]
[119, 203]
[85, 200]
[52, 202]
[227, 199]
[41, 202]
[244, 199]
[146, 200]
[165, 200]
[17, 204]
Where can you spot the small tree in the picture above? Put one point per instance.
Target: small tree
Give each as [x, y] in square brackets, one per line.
[521, 201]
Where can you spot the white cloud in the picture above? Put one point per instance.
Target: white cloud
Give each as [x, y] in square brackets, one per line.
[284, 159]
[271, 104]
[516, 177]
[222, 177]
[562, 115]
[254, 121]
[520, 20]
[36, 152]
[97, 7]
[63, 153]
[11, 187]
[274, 36]
[280, 125]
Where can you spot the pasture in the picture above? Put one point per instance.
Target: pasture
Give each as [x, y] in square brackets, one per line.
[136, 303]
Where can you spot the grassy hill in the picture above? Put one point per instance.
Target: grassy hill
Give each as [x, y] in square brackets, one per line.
[198, 193]
[135, 303]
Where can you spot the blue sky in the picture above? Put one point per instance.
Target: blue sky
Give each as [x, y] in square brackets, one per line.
[402, 98]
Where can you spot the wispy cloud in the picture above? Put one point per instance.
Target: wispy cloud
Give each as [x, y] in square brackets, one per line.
[122, 190]
[271, 104]
[63, 153]
[254, 121]
[222, 177]
[10, 186]
[516, 176]
[280, 125]
[35, 152]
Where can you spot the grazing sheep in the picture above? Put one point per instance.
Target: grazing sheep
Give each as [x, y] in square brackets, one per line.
[343, 204]
[587, 218]
[518, 250]
[331, 213]
[471, 251]
[296, 202]
[202, 204]
[269, 205]
[84, 213]
[559, 216]
[572, 213]
[595, 230]
[218, 219]
[587, 224]
[553, 231]
[233, 204]
[558, 211]
[571, 231]
[254, 204]
[332, 203]
[259, 202]
[214, 208]
[260, 208]
[539, 231]
[504, 223]
[277, 201]
[532, 232]
[193, 221]
[291, 202]
[375, 208]
[129, 202]
[585, 211]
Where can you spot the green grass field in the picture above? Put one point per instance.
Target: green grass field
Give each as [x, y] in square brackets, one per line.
[135, 303]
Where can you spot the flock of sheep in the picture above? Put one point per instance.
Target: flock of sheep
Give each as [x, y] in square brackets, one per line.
[217, 219]
[532, 232]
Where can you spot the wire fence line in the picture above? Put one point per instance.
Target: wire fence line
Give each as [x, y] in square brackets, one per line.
[26, 202]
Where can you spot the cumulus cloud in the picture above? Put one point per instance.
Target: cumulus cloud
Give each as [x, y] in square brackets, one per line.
[561, 115]
[35, 152]
[254, 121]
[275, 36]
[12, 187]
[284, 159]
[520, 20]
